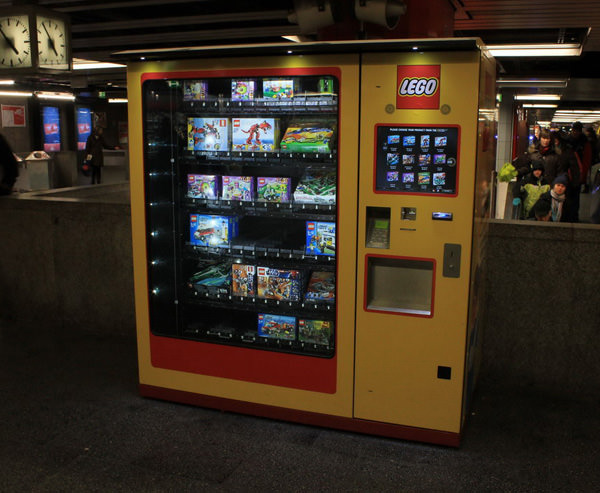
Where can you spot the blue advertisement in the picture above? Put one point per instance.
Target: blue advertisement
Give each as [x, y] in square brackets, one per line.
[84, 127]
[51, 124]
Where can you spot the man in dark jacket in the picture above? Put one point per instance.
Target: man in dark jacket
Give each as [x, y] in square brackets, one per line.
[94, 153]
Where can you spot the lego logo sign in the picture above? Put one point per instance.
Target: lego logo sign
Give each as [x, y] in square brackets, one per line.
[418, 87]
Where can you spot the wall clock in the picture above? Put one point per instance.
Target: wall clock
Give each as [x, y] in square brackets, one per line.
[34, 40]
[52, 40]
[15, 40]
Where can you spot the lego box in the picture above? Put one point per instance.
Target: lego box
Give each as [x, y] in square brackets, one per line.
[242, 90]
[315, 331]
[242, 280]
[212, 230]
[195, 90]
[202, 187]
[278, 89]
[271, 189]
[213, 279]
[320, 238]
[237, 188]
[321, 287]
[317, 188]
[208, 134]
[254, 134]
[276, 326]
[279, 284]
[310, 137]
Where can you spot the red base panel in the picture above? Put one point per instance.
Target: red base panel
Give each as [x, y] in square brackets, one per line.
[305, 417]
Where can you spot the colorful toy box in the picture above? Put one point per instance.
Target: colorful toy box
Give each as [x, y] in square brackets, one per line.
[308, 137]
[237, 188]
[271, 189]
[212, 230]
[315, 331]
[208, 134]
[276, 326]
[278, 89]
[321, 287]
[279, 284]
[320, 238]
[254, 134]
[317, 188]
[213, 279]
[242, 90]
[195, 90]
[242, 280]
[202, 187]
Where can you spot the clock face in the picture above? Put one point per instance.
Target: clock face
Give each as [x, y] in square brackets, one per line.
[15, 42]
[52, 43]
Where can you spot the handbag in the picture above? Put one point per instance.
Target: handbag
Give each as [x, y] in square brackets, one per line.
[86, 166]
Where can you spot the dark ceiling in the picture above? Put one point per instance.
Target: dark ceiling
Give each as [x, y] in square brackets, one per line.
[103, 27]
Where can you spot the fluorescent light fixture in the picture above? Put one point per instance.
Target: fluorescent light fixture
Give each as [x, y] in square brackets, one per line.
[7, 82]
[528, 82]
[570, 116]
[81, 64]
[295, 39]
[117, 100]
[55, 95]
[537, 97]
[540, 105]
[535, 50]
[20, 94]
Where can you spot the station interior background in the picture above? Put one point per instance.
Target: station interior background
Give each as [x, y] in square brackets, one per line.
[117, 31]
[68, 344]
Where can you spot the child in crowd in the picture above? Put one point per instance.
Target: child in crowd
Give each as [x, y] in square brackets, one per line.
[556, 199]
[533, 186]
[542, 211]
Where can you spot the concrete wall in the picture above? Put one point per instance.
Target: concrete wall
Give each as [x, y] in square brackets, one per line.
[543, 317]
[65, 259]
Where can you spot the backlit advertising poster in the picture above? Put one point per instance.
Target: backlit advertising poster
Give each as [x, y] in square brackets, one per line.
[51, 124]
[84, 127]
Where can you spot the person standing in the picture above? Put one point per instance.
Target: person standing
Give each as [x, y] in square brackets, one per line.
[9, 168]
[544, 150]
[94, 153]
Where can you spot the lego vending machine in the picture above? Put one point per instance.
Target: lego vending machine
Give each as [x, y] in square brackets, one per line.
[305, 241]
[426, 159]
[241, 221]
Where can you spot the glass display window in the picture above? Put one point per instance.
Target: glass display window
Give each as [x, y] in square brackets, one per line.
[241, 209]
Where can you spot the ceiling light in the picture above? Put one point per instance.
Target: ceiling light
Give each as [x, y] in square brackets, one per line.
[537, 97]
[295, 39]
[67, 96]
[528, 82]
[535, 50]
[7, 82]
[16, 94]
[91, 65]
[540, 105]
[117, 100]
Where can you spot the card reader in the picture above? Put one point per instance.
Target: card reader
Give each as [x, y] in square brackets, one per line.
[441, 216]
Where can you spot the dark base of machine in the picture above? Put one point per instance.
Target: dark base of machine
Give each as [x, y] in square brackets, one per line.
[304, 417]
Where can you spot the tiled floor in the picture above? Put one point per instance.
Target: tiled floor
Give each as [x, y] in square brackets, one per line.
[71, 420]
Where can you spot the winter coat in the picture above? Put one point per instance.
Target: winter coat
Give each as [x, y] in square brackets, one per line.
[549, 156]
[532, 189]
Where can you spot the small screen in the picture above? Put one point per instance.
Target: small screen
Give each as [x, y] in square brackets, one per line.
[84, 127]
[417, 159]
[51, 124]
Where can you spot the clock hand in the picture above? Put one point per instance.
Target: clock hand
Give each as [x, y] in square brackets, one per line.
[50, 40]
[9, 41]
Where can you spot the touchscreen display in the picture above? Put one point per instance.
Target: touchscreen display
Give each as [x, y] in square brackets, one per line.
[411, 159]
